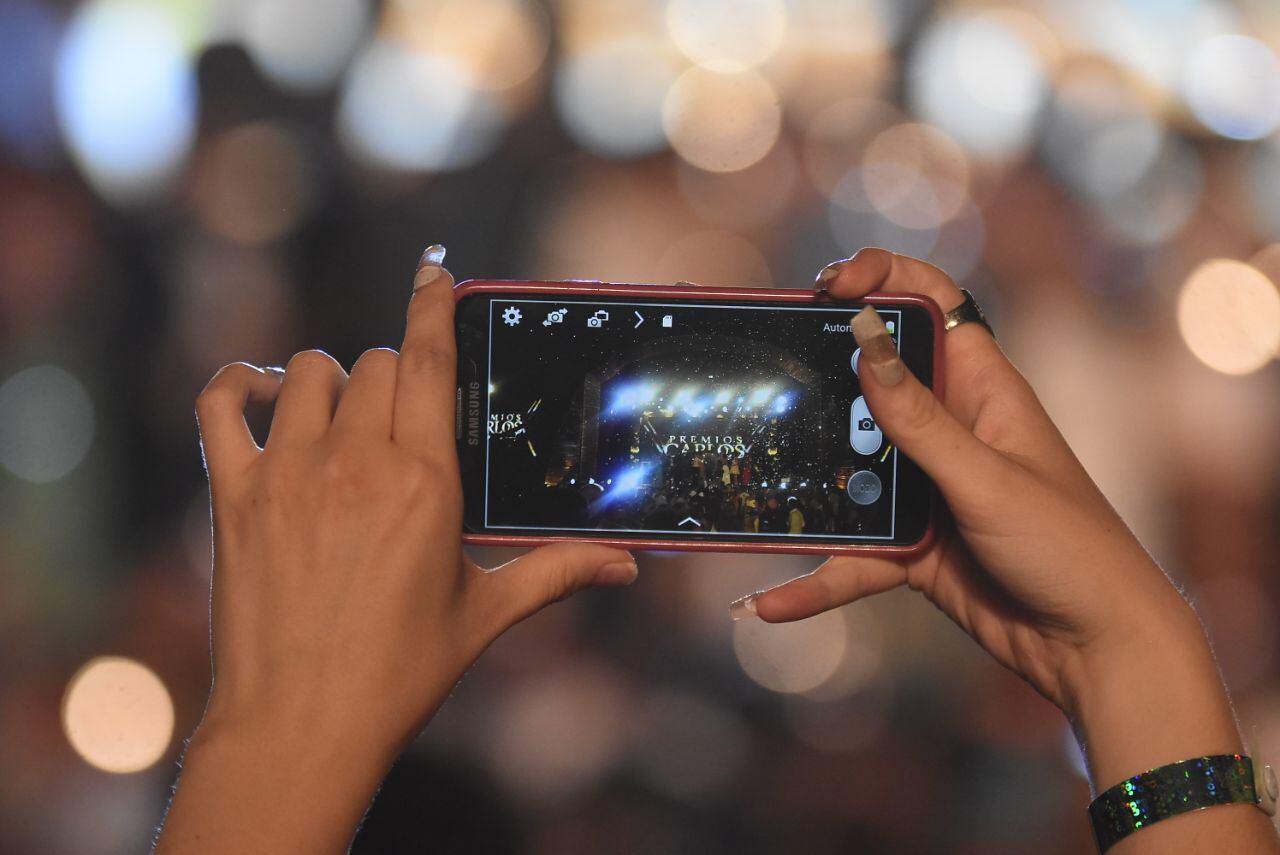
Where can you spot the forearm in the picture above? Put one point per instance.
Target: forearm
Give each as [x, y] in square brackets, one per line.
[1152, 698]
[267, 789]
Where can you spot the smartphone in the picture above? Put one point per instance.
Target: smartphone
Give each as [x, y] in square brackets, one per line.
[680, 417]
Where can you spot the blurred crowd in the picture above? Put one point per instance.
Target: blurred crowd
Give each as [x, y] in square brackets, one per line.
[185, 184]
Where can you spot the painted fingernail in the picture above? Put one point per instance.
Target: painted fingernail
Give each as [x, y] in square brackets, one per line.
[274, 370]
[429, 266]
[878, 349]
[831, 271]
[618, 573]
[743, 608]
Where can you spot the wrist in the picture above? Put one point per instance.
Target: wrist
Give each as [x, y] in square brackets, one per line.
[261, 783]
[1147, 694]
[304, 742]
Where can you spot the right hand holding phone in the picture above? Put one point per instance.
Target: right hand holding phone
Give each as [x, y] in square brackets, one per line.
[1032, 562]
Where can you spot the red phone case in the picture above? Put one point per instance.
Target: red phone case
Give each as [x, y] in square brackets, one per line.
[700, 292]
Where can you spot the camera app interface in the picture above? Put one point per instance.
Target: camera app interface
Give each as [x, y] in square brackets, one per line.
[737, 421]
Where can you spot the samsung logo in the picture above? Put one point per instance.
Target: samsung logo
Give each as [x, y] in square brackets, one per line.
[473, 413]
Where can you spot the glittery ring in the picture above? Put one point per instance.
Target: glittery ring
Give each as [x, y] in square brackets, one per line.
[1167, 791]
[968, 312]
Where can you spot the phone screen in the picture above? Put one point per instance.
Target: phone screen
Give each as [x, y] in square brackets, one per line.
[727, 420]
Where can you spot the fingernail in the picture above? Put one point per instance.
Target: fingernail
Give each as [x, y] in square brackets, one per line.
[831, 271]
[274, 370]
[429, 266]
[878, 349]
[743, 608]
[618, 573]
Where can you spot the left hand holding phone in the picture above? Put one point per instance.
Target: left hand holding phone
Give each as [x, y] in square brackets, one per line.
[343, 609]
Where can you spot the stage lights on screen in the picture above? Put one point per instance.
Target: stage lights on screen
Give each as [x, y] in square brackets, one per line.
[692, 401]
[623, 484]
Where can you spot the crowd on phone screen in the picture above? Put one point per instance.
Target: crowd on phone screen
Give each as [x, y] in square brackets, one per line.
[710, 492]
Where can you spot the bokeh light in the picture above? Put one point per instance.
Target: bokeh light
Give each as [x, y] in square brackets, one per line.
[908, 162]
[1100, 138]
[843, 726]
[252, 183]
[1229, 316]
[555, 737]
[721, 122]
[688, 746]
[837, 138]
[727, 35]
[791, 657]
[1149, 40]
[413, 111]
[46, 423]
[856, 222]
[978, 79]
[303, 45]
[1160, 203]
[1232, 84]
[502, 43]
[28, 37]
[609, 96]
[125, 94]
[862, 659]
[117, 715]
[185, 183]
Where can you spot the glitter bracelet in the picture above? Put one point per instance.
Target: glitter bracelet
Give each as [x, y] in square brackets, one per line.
[1160, 793]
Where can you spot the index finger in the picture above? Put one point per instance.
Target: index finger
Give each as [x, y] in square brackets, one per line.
[426, 374]
[876, 269]
[225, 438]
[970, 349]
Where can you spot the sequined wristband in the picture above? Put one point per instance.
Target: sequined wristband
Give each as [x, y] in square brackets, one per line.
[1201, 782]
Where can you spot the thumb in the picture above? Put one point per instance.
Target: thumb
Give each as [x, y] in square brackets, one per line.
[913, 418]
[550, 573]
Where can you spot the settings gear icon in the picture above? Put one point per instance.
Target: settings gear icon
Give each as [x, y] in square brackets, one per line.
[511, 316]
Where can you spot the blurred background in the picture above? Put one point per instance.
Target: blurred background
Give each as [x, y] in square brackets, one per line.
[185, 183]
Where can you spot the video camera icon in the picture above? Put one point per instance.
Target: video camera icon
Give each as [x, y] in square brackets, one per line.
[555, 317]
[597, 320]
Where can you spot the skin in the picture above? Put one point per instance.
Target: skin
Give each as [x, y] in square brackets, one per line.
[1036, 566]
[339, 577]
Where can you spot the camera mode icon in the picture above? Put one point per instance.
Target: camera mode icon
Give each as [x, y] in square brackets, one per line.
[597, 320]
[864, 434]
[555, 317]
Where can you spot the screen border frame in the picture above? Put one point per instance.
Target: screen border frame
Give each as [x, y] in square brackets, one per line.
[689, 291]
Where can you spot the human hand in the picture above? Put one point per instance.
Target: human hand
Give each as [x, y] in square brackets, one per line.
[344, 609]
[1032, 561]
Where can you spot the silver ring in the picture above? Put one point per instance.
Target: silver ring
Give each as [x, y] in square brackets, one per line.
[968, 312]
